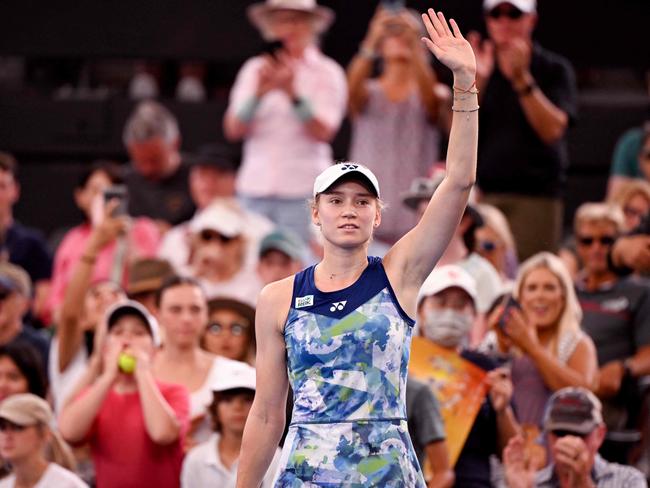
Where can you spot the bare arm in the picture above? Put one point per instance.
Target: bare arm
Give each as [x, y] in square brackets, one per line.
[580, 370]
[410, 261]
[438, 457]
[159, 419]
[358, 72]
[267, 415]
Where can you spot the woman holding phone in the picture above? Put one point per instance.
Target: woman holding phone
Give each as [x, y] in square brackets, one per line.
[342, 328]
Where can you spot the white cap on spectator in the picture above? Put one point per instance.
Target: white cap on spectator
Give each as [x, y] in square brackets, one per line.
[131, 307]
[337, 171]
[450, 276]
[526, 6]
[235, 376]
[219, 218]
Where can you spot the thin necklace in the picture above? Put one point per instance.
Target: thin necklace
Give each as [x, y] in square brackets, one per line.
[347, 271]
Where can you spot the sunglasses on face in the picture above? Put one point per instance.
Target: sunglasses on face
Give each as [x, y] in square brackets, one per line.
[511, 12]
[589, 240]
[237, 330]
[6, 426]
[213, 236]
[564, 433]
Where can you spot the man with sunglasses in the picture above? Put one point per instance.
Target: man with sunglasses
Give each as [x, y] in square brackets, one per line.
[616, 314]
[528, 98]
[574, 426]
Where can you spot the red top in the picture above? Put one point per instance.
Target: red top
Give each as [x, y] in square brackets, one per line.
[122, 451]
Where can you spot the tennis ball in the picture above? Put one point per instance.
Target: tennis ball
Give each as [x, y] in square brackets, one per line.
[126, 363]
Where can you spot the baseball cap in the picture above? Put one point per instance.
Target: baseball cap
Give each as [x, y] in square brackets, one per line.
[218, 217]
[216, 156]
[235, 376]
[284, 241]
[26, 409]
[421, 189]
[449, 276]
[130, 307]
[573, 409]
[346, 170]
[526, 6]
[15, 278]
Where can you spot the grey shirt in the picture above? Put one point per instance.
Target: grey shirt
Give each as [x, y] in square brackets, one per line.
[424, 420]
[604, 475]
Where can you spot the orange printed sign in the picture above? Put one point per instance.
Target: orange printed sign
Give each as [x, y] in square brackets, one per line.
[458, 385]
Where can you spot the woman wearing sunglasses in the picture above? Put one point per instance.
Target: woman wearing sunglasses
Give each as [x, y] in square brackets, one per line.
[340, 331]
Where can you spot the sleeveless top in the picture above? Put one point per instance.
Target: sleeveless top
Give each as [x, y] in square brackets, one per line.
[347, 361]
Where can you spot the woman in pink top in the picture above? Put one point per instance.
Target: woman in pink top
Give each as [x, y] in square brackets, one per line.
[143, 236]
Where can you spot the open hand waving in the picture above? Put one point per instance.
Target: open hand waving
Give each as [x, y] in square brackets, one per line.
[450, 47]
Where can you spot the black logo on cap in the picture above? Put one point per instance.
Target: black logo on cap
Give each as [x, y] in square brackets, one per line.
[346, 167]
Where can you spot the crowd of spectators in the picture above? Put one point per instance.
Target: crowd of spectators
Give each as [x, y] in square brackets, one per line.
[128, 356]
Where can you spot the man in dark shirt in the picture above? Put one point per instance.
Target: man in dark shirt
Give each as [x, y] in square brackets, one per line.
[158, 179]
[616, 311]
[21, 245]
[15, 293]
[528, 98]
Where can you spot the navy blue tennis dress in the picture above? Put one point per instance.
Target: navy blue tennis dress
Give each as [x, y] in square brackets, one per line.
[347, 360]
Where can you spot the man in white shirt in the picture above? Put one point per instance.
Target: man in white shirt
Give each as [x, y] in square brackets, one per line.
[286, 107]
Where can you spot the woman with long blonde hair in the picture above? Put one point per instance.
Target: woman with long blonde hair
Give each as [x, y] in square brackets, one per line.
[543, 334]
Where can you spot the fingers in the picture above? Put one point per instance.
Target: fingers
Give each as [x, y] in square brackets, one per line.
[443, 22]
[431, 30]
[455, 29]
[432, 47]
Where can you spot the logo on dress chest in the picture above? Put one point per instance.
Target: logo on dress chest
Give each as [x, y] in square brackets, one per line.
[338, 306]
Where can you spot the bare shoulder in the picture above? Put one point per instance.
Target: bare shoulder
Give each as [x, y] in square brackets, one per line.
[273, 304]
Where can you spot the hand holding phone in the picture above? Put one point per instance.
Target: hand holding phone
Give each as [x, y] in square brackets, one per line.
[119, 193]
[511, 304]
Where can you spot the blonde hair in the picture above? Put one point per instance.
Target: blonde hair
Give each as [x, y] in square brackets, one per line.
[599, 212]
[628, 190]
[496, 220]
[572, 313]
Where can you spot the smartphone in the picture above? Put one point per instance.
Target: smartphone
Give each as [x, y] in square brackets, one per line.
[510, 304]
[120, 193]
[393, 5]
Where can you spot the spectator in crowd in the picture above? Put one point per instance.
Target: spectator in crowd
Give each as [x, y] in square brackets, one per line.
[460, 250]
[427, 432]
[21, 245]
[25, 433]
[21, 371]
[214, 462]
[281, 254]
[134, 423]
[634, 198]
[213, 171]
[286, 107]
[631, 157]
[145, 277]
[528, 101]
[183, 315]
[495, 242]
[542, 335]
[142, 237]
[574, 427]
[616, 313]
[218, 254]
[401, 115]
[15, 295]
[231, 330]
[158, 178]
[84, 306]
[446, 314]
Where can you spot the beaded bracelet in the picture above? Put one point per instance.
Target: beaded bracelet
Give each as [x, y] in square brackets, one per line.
[454, 109]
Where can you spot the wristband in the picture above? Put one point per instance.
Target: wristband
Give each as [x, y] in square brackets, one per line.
[248, 109]
[302, 108]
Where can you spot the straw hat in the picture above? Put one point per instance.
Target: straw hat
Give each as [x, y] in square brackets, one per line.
[259, 14]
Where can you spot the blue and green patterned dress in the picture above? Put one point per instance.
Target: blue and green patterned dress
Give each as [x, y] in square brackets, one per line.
[347, 360]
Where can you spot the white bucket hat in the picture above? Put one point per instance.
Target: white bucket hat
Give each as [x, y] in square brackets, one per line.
[259, 14]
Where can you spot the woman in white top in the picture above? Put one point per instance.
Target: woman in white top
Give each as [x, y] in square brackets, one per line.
[183, 315]
[25, 432]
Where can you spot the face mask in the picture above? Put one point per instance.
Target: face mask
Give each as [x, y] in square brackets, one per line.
[447, 328]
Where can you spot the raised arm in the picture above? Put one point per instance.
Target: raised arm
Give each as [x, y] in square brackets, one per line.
[413, 257]
[266, 419]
